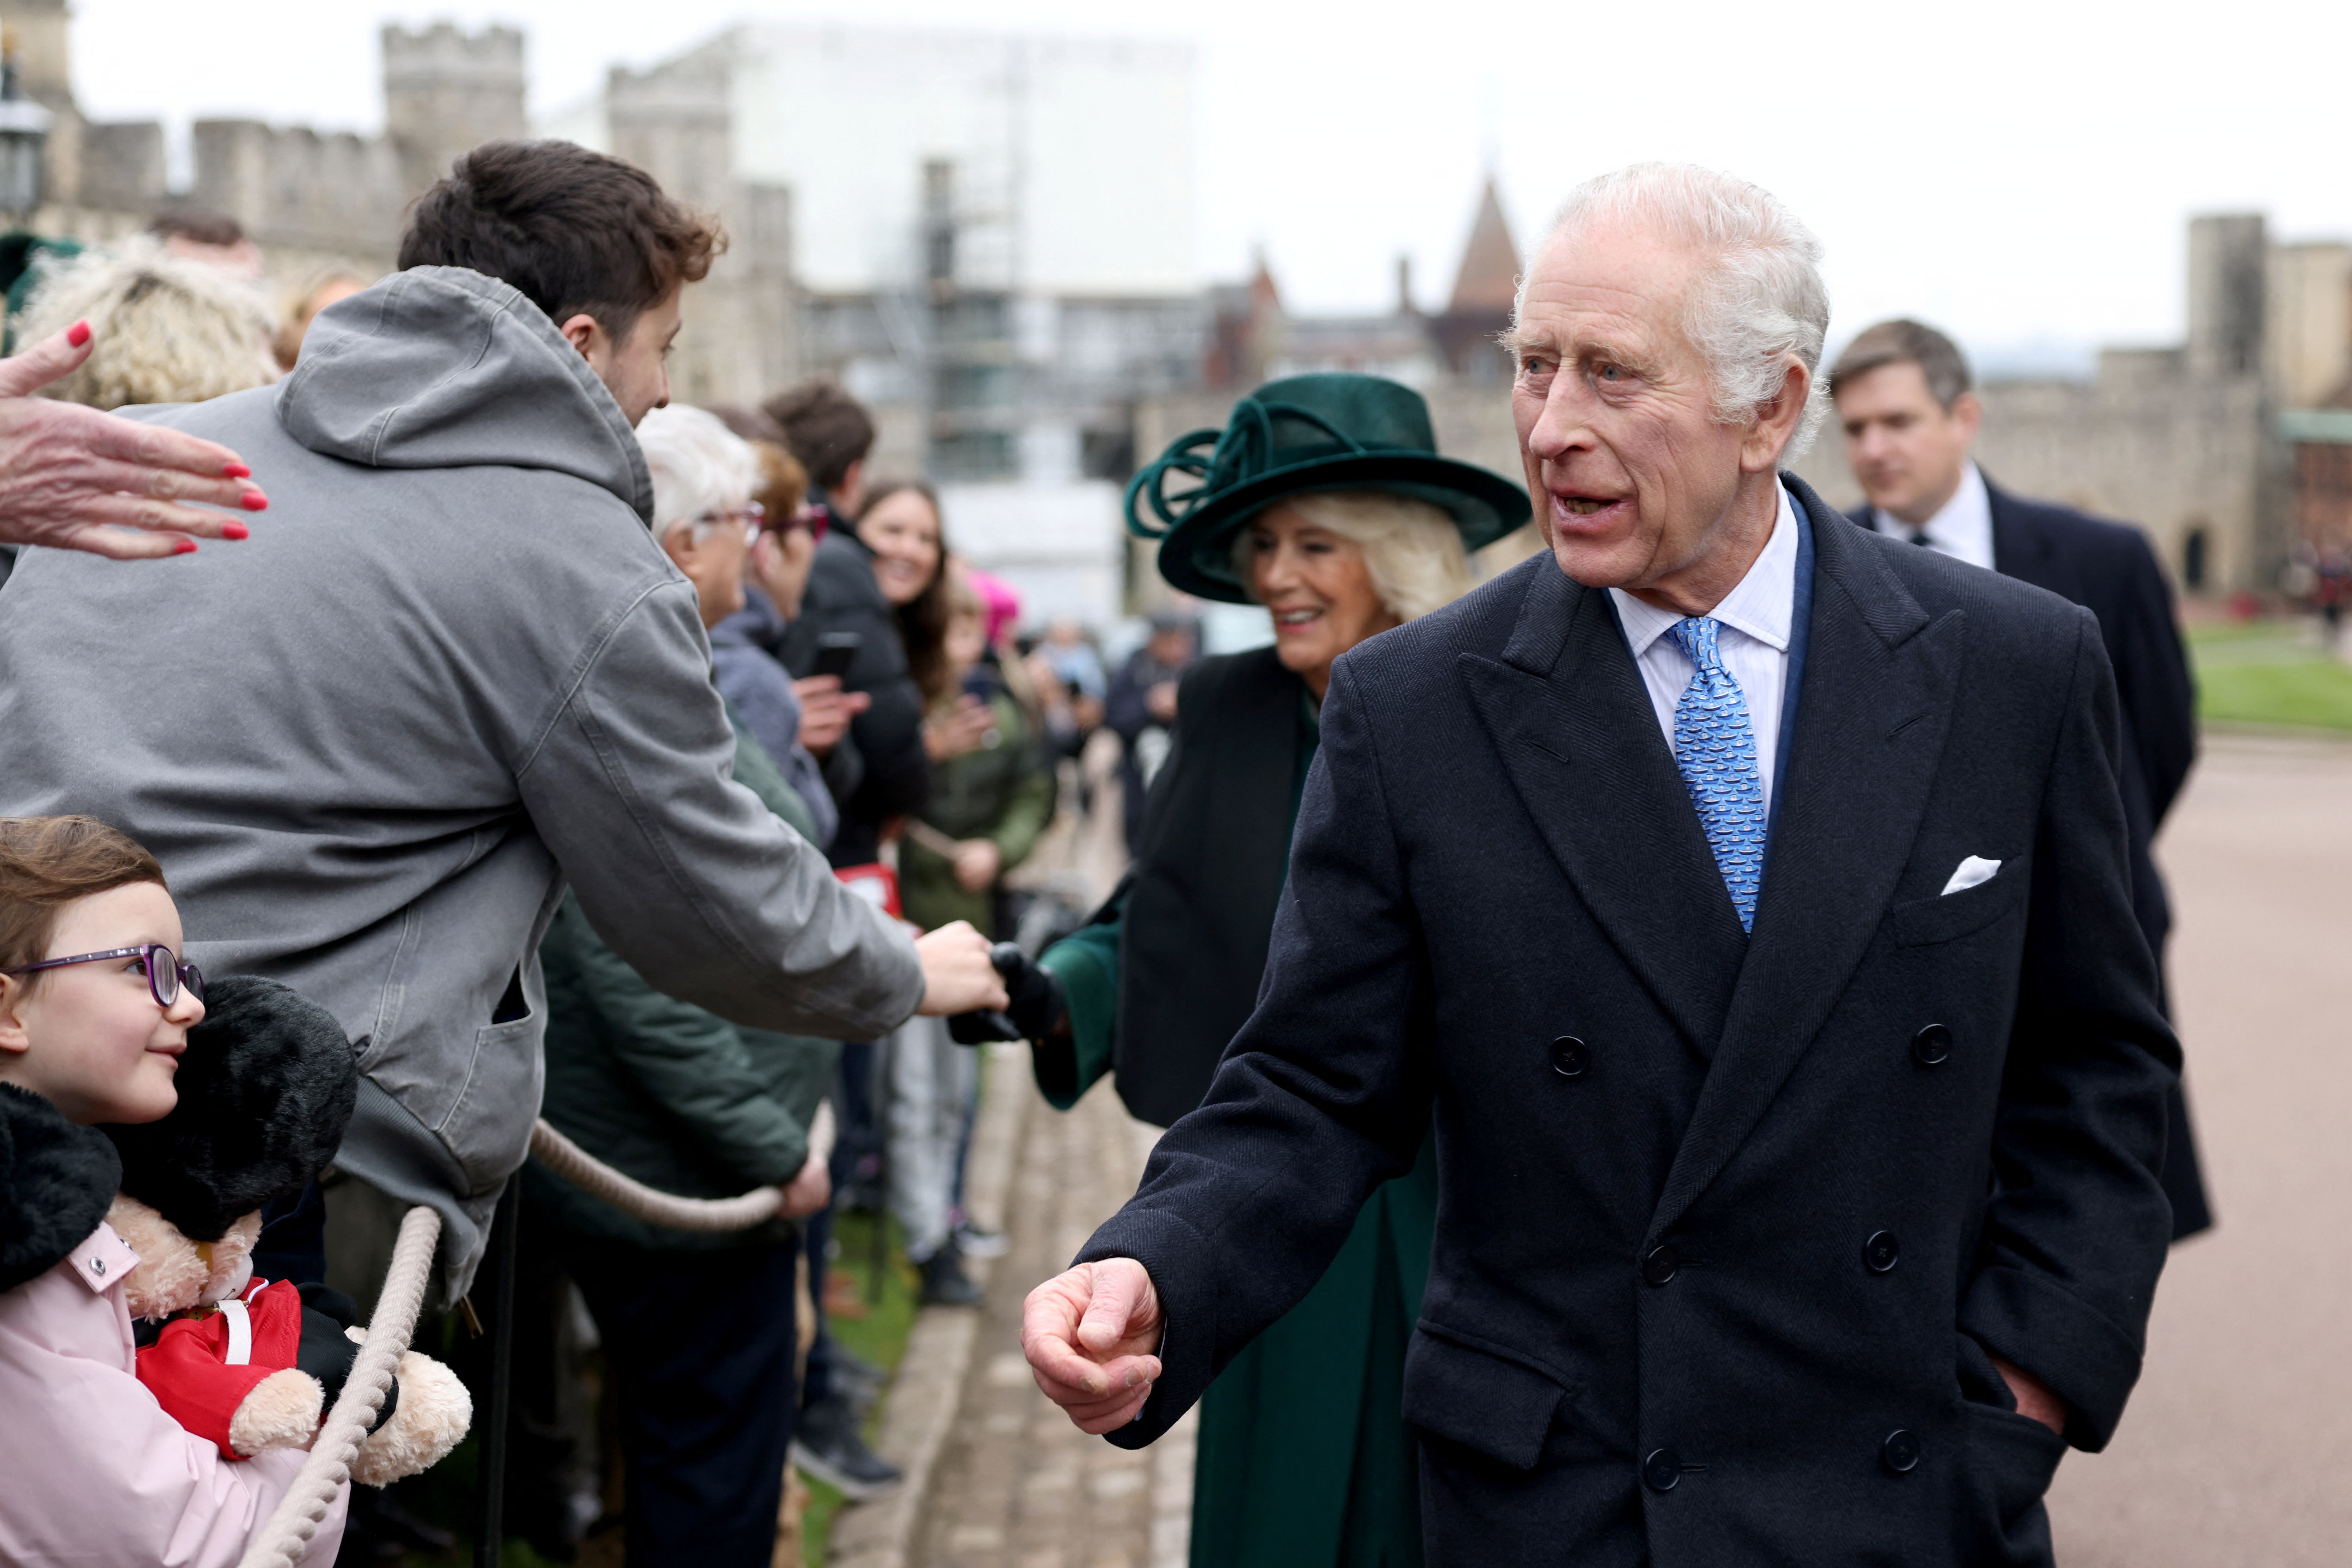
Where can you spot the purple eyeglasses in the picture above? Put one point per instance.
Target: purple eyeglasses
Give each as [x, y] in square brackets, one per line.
[165, 973]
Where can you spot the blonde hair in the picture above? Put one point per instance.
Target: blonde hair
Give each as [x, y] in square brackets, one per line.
[1412, 551]
[169, 330]
[699, 466]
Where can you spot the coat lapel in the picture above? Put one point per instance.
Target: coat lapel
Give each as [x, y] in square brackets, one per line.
[2018, 550]
[1575, 731]
[1870, 727]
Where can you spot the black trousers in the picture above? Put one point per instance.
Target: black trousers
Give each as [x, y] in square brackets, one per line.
[699, 1346]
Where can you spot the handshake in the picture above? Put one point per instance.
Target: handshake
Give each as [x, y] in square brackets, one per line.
[1033, 1009]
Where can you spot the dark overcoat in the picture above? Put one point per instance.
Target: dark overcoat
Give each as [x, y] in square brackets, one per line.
[1727, 1225]
[2108, 569]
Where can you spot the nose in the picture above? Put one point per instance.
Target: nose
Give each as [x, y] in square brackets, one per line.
[185, 1010]
[1562, 426]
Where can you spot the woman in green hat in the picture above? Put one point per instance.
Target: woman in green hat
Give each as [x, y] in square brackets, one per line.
[1325, 500]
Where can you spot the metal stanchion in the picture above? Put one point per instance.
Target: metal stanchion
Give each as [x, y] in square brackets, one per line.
[490, 1482]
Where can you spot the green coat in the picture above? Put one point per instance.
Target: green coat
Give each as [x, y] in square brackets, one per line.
[1305, 1460]
[663, 1090]
[1003, 793]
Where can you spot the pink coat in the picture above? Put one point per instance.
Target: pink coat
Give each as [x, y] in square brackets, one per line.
[97, 1473]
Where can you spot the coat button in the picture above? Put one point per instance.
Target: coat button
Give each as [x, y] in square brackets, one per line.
[1881, 1252]
[1664, 1468]
[1901, 1451]
[1568, 1056]
[1932, 1046]
[1660, 1264]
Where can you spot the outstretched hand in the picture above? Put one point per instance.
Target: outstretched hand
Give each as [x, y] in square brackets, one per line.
[74, 478]
[1089, 1335]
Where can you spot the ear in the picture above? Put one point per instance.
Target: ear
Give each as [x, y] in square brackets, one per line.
[1777, 421]
[1968, 414]
[679, 545]
[15, 1038]
[587, 334]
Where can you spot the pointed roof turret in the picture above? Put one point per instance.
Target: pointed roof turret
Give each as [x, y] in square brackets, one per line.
[1490, 262]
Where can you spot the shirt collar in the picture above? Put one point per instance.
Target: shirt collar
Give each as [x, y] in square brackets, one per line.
[1962, 526]
[1763, 604]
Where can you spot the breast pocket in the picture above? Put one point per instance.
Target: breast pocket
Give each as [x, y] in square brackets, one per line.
[1948, 918]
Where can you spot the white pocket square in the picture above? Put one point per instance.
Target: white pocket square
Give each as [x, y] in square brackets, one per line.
[1973, 870]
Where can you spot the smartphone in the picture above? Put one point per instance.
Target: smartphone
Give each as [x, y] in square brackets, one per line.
[835, 652]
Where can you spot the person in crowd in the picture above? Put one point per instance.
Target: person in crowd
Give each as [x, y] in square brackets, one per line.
[1074, 659]
[167, 329]
[927, 1079]
[1303, 1456]
[301, 302]
[73, 478]
[832, 434]
[1141, 709]
[697, 1329]
[1910, 417]
[1773, 990]
[208, 238]
[402, 721]
[793, 731]
[95, 1010]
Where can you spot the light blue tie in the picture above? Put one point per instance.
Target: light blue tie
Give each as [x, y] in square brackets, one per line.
[1715, 748]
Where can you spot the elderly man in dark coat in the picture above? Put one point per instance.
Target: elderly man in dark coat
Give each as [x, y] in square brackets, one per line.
[1793, 1053]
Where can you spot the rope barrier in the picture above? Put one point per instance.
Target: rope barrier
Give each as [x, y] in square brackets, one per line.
[287, 1536]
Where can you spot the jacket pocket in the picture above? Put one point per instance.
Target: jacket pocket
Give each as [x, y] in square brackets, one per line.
[1950, 917]
[1492, 1406]
[488, 1128]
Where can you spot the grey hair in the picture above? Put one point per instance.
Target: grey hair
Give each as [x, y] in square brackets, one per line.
[1412, 551]
[1759, 302]
[169, 330]
[699, 466]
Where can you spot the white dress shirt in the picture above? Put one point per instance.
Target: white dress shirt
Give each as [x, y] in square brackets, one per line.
[1961, 528]
[1753, 642]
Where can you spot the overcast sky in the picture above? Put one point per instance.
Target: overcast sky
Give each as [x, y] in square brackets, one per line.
[2018, 173]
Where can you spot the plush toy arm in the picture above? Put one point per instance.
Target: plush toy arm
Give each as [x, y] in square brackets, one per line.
[283, 1411]
[432, 1417]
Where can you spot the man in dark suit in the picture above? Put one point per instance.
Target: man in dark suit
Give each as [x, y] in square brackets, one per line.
[1904, 401]
[1746, 898]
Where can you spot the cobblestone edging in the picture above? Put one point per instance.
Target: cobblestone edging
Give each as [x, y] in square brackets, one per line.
[927, 1389]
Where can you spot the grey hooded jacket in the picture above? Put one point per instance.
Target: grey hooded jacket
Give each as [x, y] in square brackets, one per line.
[450, 671]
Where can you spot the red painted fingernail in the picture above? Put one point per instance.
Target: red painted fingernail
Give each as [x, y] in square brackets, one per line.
[237, 471]
[235, 531]
[185, 547]
[77, 334]
[255, 501]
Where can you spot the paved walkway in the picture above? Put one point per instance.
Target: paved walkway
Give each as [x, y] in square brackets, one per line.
[2237, 1450]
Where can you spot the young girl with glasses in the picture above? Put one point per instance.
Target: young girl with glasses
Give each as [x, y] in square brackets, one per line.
[95, 1008]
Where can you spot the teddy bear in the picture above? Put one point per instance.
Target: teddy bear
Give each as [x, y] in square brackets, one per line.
[266, 1087]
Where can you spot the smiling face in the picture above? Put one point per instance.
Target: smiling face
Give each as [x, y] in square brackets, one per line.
[1316, 587]
[902, 529]
[88, 1038]
[1637, 484]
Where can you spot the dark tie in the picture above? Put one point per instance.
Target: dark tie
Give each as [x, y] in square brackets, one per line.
[1921, 538]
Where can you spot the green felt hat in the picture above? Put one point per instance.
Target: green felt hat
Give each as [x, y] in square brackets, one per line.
[1332, 432]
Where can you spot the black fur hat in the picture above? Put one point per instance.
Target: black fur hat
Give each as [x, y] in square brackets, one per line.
[58, 1179]
[266, 1087]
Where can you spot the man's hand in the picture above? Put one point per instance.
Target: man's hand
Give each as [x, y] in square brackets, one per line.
[1159, 702]
[2033, 1396]
[74, 478]
[809, 1192]
[958, 977]
[1089, 1335]
[977, 861]
[826, 712]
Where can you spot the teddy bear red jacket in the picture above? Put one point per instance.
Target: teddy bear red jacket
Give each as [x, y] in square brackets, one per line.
[200, 1369]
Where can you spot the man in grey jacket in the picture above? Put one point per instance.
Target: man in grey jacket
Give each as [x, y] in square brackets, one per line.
[454, 673]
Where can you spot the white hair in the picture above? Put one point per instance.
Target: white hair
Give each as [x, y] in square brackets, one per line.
[1412, 551]
[699, 466]
[169, 330]
[1759, 300]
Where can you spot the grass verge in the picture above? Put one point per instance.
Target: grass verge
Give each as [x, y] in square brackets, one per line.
[2269, 673]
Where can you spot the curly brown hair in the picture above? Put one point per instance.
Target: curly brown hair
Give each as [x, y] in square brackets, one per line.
[49, 863]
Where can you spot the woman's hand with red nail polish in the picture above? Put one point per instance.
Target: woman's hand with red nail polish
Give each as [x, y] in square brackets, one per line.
[74, 478]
